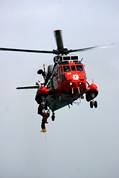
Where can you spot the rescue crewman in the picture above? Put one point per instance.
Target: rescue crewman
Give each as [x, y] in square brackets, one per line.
[45, 115]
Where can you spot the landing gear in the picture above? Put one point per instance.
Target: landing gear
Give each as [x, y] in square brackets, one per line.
[93, 104]
[53, 116]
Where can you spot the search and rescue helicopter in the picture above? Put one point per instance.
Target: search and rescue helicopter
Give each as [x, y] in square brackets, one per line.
[64, 82]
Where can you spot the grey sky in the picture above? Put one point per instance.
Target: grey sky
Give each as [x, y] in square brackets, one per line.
[81, 142]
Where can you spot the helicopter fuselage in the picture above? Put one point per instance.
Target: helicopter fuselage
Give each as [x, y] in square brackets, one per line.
[66, 84]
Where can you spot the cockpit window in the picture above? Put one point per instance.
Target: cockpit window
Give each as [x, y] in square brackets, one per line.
[79, 68]
[66, 68]
[73, 68]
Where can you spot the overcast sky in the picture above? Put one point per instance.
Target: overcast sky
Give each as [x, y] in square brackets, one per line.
[82, 142]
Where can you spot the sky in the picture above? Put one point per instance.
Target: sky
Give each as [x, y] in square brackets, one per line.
[82, 142]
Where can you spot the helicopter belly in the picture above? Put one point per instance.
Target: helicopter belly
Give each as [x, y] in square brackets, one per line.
[57, 102]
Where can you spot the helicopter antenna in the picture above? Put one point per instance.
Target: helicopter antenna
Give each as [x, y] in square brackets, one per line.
[81, 59]
[44, 68]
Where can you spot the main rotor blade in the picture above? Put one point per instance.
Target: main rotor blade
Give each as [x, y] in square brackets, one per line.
[82, 49]
[59, 41]
[25, 50]
[89, 48]
[29, 87]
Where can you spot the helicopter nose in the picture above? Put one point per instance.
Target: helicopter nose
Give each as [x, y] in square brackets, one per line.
[75, 77]
[75, 81]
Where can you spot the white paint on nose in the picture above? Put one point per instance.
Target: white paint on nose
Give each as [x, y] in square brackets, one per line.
[75, 77]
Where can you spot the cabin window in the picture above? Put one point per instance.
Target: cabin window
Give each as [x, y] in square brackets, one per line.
[66, 68]
[73, 68]
[79, 68]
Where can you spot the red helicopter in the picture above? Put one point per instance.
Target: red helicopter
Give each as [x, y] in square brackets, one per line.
[64, 82]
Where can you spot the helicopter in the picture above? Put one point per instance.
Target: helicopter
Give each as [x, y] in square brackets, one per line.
[64, 81]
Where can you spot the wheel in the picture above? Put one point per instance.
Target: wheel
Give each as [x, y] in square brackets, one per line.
[95, 104]
[91, 104]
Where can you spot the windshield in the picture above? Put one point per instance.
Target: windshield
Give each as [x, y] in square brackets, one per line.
[66, 68]
[79, 68]
[73, 68]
